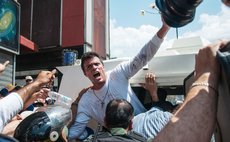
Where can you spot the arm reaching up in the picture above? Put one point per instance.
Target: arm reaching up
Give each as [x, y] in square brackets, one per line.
[163, 30]
[151, 86]
[43, 78]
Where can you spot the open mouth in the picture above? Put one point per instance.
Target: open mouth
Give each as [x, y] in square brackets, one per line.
[97, 74]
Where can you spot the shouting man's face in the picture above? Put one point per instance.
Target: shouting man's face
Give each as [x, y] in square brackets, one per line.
[94, 70]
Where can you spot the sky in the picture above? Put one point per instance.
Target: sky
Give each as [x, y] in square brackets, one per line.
[129, 30]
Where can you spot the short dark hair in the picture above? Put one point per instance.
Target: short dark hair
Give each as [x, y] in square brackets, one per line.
[119, 113]
[89, 55]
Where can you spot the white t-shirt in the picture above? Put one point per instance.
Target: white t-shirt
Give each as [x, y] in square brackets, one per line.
[10, 105]
[116, 86]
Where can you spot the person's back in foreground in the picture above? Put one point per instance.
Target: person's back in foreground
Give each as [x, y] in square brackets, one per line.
[118, 121]
[195, 120]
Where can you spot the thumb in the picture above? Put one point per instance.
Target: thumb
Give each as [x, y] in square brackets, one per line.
[6, 63]
[54, 71]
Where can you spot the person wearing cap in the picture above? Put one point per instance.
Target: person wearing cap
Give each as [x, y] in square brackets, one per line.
[28, 79]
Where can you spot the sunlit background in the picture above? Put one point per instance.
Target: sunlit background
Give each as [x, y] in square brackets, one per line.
[130, 29]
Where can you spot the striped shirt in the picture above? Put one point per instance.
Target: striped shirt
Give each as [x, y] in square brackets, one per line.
[151, 122]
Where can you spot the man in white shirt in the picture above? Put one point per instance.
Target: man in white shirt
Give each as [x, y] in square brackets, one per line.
[110, 85]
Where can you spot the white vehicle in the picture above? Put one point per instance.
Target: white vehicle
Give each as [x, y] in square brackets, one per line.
[170, 67]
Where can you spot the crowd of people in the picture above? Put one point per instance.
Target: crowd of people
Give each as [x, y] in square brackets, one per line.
[112, 103]
[23, 97]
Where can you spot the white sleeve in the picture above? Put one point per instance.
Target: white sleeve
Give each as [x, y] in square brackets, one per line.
[77, 130]
[141, 59]
[10, 105]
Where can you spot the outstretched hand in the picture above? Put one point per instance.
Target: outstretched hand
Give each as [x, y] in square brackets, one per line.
[41, 94]
[164, 23]
[3, 66]
[46, 77]
[163, 30]
[151, 86]
[150, 82]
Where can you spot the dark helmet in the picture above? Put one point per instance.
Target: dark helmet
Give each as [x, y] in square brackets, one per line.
[46, 123]
[178, 13]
